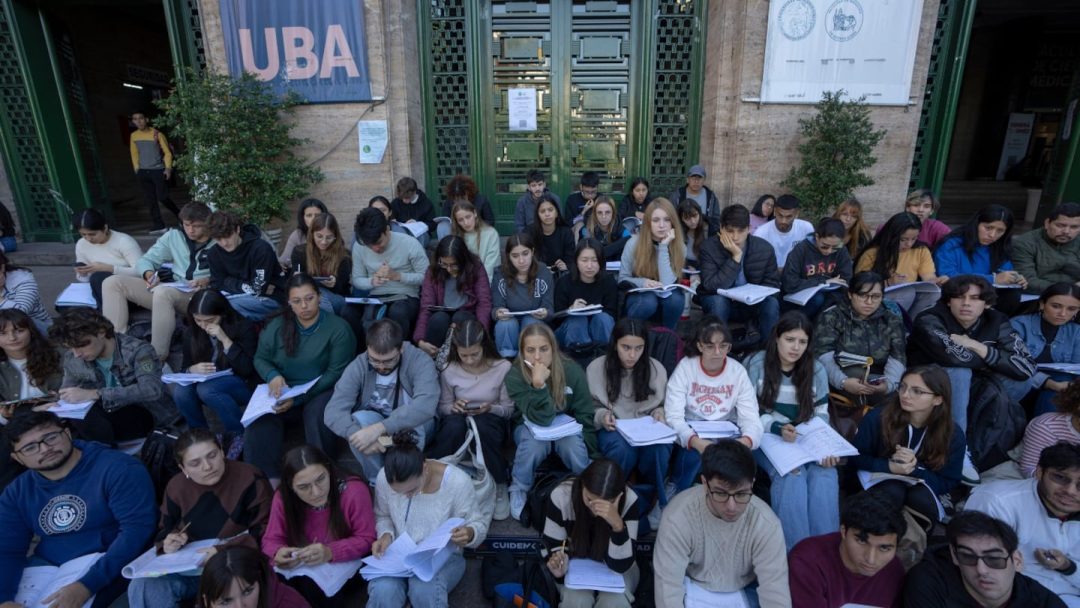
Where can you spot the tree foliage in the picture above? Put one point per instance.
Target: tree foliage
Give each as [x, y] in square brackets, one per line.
[237, 154]
[837, 147]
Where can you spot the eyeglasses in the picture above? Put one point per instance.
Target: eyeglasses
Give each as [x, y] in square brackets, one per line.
[918, 392]
[325, 238]
[967, 558]
[48, 439]
[452, 266]
[716, 347]
[384, 363]
[721, 496]
[869, 296]
[303, 300]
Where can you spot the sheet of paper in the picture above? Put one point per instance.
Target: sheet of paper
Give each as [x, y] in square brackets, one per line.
[748, 294]
[613, 266]
[816, 441]
[522, 313]
[714, 429]
[920, 286]
[561, 426]
[185, 379]
[375, 301]
[77, 294]
[1009, 286]
[645, 431]
[372, 137]
[432, 552]
[261, 403]
[664, 289]
[74, 411]
[150, 564]
[593, 575]
[521, 110]
[417, 229]
[39, 582]
[330, 577]
[697, 596]
[392, 563]
[803, 296]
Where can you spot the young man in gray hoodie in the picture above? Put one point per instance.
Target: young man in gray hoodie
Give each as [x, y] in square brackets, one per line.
[391, 387]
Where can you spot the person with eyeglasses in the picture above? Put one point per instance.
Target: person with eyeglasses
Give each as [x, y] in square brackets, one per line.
[896, 253]
[912, 435]
[324, 257]
[76, 498]
[720, 537]
[978, 348]
[455, 289]
[245, 267]
[1045, 512]
[392, 386]
[979, 567]
[819, 259]
[860, 329]
[302, 344]
[708, 385]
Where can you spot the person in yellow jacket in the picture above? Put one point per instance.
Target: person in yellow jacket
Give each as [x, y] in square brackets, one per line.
[152, 158]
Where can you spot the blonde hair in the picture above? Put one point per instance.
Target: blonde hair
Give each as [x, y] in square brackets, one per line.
[457, 231]
[860, 234]
[557, 381]
[645, 258]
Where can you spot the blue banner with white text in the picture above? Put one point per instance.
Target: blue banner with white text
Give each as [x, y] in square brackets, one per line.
[316, 48]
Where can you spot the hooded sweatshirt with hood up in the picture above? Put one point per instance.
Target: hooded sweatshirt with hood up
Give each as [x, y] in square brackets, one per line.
[252, 268]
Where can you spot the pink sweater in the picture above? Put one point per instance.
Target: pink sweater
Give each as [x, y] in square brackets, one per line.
[355, 505]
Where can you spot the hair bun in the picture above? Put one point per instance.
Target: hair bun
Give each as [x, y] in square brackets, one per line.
[406, 439]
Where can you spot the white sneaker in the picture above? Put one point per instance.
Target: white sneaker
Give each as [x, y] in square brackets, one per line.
[517, 503]
[970, 475]
[654, 517]
[502, 502]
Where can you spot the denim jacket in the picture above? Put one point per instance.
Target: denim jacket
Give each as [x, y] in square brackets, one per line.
[1064, 349]
[138, 376]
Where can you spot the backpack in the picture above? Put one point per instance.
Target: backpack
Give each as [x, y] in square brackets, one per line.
[995, 422]
[537, 498]
[507, 583]
[157, 455]
[666, 347]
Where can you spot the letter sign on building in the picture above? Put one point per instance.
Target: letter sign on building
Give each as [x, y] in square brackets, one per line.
[315, 48]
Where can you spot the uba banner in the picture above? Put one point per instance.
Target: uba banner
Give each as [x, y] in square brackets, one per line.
[313, 47]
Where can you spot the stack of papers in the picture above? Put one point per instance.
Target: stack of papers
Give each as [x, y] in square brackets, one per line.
[584, 311]
[39, 582]
[748, 294]
[645, 431]
[664, 289]
[261, 403]
[594, 576]
[715, 429]
[75, 411]
[846, 359]
[330, 577]
[151, 565]
[417, 229]
[561, 426]
[816, 441]
[697, 596]
[77, 294]
[613, 266]
[803, 296]
[919, 286]
[523, 313]
[187, 379]
[405, 558]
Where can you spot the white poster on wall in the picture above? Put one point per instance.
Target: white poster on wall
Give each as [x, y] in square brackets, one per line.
[866, 47]
[373, 135]
[522, 109]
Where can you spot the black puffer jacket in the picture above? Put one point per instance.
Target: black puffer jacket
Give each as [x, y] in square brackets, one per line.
[719, 270]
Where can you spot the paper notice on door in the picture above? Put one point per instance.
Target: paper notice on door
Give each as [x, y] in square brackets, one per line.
[522, 108]
[373, 137]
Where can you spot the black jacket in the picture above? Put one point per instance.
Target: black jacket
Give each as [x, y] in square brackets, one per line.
[935, 582]
[719, 270]
[930, 343]
[422, 210]
[603, 291]
[251, 268]
[806, 267]
[240, 358]
[558, 245]
[628, 207]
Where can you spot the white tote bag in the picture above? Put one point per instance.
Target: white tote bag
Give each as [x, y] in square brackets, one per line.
[470, 459]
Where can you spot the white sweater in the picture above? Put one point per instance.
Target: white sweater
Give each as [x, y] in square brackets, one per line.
[120, 251]
[1017, 503]
[423, 513]
[693, 394]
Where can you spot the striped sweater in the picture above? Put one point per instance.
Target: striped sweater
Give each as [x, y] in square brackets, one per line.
[559, 525]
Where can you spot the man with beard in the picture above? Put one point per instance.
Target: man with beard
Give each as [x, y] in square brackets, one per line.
[78, 498]
[1050, 254]
[1045, 512]
[978, 568]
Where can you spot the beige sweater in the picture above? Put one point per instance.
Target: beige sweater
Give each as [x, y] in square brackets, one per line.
[718, 555]
[625, 406]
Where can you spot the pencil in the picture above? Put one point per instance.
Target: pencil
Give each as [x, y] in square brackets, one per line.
[183, 529]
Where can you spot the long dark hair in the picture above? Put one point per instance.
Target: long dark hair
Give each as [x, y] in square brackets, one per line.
[453, 246]
[689, 208]
[887, 242]
[89, 219]
[1001, 249]
[42, 360]
[613, 369]
[233, 562]
[471, 332]
[939, 426]
[324, 263]
[403, 460]
[290, 334]
[598, 251]
[537, 228]
[306, 204]
[757, 208]
[296, 460]
[590, 535]
[208, 302]
[523, 239]
[802, 376]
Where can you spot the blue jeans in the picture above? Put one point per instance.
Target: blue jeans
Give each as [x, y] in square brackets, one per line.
[507, 332]
[812, 307]
[1018, 389]
[227, 396]
[372, 463]
[646, 305]
[8, 243]
[254, 308]
[806, 500]
[167, 590]
[686, 467]
[649, 460]
[391, 592]
[960, 379]
[330, 301]
[584, 331]
[532, 451]
[767, 312]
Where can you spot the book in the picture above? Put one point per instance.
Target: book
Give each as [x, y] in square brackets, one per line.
[417, 229]
[714, 429]
[185, 379]
[920, 286]
[803, 296]
[594, 576]
[645, 431]
[816, 441]
[869, 480]
[748, 294]
[77, 294]
[261, 403]
[405, 558]
[330, 577]
[696, 596]
[665, 289]
[561, 426]
[73, 411]
[39, 582]
[151, 565]
[375, 301]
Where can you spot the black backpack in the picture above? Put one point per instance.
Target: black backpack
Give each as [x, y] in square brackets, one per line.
[157, 455]
[536, 500]
[506, 582]
[995, 422]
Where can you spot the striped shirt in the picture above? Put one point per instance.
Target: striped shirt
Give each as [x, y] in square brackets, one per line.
[1043, 432]
[559, 524]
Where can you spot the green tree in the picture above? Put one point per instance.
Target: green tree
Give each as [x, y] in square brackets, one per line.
[237, 154]
[837, 147]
